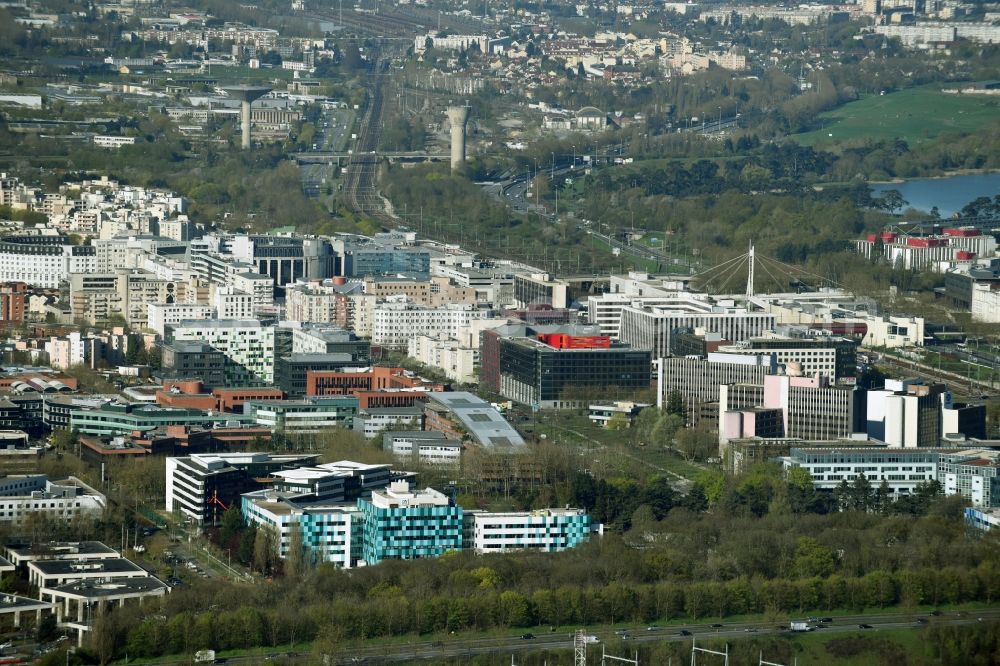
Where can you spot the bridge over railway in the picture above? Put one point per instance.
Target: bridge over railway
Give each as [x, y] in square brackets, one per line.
[318, 157]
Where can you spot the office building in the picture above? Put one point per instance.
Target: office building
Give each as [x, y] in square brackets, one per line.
[651, 327]
[901, 469]
[806, 408]
[544, 530]
[698, 380]
[559, 371]
[203, 486]
[404, 523]
[540, 289]
[292, 372]
[66, 501]
[186, 360]
[125, 419]
[426, 446]
[309, 415]
[907, 413]
[971, 473]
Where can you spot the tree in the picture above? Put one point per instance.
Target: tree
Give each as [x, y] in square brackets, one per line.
[812, 559]
[675, 403]
[696, 443]
[264, 549]
[231, 523]
[297, 556]
[801, 491]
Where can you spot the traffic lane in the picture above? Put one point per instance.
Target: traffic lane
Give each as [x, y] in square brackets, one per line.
[842, 624]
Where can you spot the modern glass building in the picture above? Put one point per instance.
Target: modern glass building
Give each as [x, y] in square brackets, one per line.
[534, 373]
[404, 524]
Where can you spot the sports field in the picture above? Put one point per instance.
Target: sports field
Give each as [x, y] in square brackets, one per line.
[916, 115]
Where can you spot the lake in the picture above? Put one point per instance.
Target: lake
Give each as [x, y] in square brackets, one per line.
[949, 194]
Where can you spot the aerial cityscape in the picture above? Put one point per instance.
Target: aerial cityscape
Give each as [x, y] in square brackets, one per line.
[499, 332]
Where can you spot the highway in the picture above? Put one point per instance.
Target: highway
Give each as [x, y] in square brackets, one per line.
[429, 650]
[456, 648]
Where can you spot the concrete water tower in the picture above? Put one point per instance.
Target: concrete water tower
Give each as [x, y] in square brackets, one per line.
[458, 116]
[247, 96]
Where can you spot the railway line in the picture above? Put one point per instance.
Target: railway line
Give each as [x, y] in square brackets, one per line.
[386, 25]
[360, 183]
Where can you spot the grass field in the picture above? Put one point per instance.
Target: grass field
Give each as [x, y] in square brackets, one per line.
[915, 115]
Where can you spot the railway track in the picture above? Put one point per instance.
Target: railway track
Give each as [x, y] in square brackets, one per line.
[378, 25]
[361, 182]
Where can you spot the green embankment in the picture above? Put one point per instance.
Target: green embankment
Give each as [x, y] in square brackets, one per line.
[915, 115]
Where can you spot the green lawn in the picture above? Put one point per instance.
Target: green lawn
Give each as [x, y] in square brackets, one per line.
[915, 115]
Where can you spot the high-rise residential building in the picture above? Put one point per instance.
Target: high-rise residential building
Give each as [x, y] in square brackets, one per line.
[248, 346]
[13, 299]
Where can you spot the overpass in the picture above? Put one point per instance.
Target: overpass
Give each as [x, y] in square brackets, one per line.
[320, 157]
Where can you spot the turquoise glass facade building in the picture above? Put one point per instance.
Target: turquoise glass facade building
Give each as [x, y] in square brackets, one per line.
[409, 525]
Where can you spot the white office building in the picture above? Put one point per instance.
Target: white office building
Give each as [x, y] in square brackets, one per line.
[396, 320]
[651, 327]
[68, 500]
[546, 530]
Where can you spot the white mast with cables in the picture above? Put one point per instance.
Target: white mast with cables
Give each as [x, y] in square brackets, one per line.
[750, 264]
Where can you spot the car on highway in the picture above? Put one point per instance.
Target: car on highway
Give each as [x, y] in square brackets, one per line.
[864, 626]
[750, 630]
[683, 632]
[652, 627]
[527, 637]
[921, 620]
[716, 625]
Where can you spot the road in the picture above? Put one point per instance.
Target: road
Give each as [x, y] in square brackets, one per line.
[468, 647]
[471, 647]
[333, 131]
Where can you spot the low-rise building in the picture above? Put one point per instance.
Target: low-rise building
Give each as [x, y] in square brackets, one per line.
[66, 501]
[426, 446]
[545, 530]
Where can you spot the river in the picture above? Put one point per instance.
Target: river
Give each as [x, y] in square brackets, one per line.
[949, 194]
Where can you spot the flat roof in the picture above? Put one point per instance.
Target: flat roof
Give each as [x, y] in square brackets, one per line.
[13, 602]
[92, 567]
[61, 550]
[96, 589]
